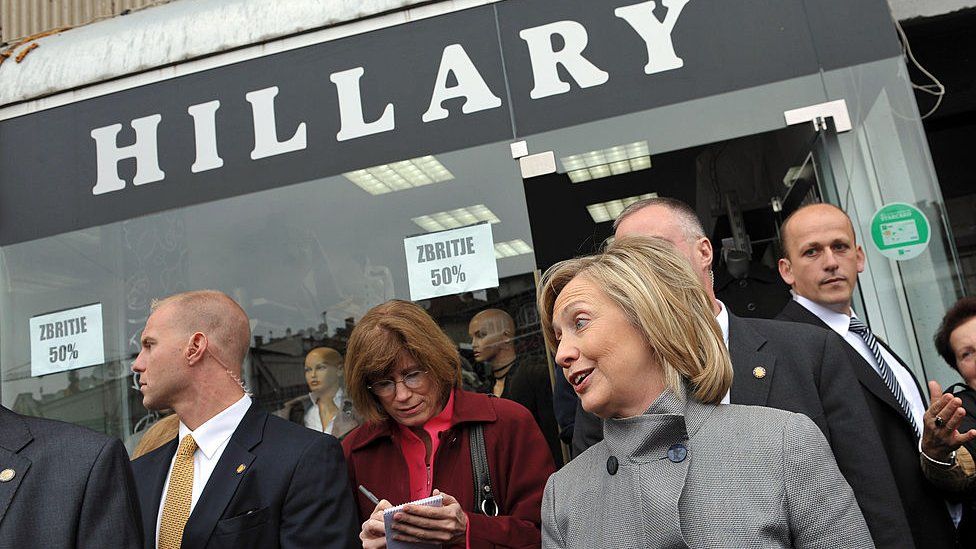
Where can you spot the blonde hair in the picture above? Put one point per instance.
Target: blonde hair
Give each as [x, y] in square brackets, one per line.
[376, 343]
[656, 289]
[161, 432]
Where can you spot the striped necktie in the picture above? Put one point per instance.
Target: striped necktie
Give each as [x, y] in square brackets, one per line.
[884, 370]
[179, 494]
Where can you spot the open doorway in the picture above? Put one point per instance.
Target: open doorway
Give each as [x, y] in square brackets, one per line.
[742, 189]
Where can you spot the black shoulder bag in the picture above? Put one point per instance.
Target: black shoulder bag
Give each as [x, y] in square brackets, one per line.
[484, 497]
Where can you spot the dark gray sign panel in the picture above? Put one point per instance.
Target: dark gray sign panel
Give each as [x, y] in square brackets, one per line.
[48, 160]
[482, 75]
[723, 46]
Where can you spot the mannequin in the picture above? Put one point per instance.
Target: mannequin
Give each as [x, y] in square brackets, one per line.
[492, 334]
[325, 408]
[323, 367]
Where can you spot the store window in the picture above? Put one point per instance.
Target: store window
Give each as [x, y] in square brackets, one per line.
[305, 261]
[733, 159]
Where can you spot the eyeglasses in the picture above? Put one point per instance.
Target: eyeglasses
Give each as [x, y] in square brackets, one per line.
[411, 380]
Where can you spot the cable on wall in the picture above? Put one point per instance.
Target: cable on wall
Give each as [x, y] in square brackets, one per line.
[936, 88]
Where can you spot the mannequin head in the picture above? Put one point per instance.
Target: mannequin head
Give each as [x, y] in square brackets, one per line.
[491, 334]
[323, 370]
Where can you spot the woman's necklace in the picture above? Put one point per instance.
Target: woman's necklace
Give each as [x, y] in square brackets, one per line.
[502, 371]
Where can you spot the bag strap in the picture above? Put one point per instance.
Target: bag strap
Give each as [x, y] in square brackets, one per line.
[484, 497]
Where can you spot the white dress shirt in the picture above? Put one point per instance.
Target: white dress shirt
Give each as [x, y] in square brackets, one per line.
[313, 420]
[841, 323]
[211, 439]
[723, 322]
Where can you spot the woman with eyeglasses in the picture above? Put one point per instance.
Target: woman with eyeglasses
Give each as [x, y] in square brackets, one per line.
[403, 374]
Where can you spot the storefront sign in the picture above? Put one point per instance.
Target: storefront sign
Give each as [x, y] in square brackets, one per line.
[900, 231]
[451, 262]
[482, 75]
[66, 340]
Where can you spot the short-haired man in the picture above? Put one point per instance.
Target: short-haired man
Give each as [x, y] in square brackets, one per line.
[235, 476]
[796, 368]
[821, 261]
[62, 485]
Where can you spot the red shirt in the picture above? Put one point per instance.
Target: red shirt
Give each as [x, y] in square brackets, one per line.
[415, 451]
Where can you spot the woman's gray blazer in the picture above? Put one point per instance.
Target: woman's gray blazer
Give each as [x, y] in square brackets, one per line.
[687, 474]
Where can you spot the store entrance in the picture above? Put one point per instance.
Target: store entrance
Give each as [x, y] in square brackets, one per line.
[742, 189]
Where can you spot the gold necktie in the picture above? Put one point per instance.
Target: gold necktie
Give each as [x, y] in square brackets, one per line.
[179, 493]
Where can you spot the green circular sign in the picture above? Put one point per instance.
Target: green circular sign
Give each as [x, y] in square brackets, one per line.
[900, 231]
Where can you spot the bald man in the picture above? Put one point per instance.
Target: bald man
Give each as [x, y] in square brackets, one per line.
[235, 476]
[821, 261]
[492, 332]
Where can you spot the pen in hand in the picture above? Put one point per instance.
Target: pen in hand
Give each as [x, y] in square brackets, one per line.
[369, 495]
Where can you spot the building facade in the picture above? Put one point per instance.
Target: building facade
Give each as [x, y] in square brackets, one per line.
[297, 173]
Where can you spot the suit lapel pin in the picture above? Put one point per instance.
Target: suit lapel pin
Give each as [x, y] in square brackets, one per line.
[240, 468]
[7, 475]
[759, 372]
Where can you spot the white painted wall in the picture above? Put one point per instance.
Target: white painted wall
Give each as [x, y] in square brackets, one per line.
[183, 30]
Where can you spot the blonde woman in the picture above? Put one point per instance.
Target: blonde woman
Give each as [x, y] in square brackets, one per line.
[636, 337]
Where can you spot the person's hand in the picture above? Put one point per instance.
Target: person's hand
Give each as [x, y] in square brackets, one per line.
[939, 435]
[423, 524]
[373, 534]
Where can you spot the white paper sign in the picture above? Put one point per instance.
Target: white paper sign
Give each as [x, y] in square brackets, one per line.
[451, 262]
[67, 340]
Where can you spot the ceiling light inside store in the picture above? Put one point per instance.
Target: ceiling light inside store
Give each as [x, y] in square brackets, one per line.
[400, 176]
[607, 162]
[511, 248]
[608, 211]
[453, 219]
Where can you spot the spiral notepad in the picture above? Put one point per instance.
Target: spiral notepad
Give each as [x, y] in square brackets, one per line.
[432, 501]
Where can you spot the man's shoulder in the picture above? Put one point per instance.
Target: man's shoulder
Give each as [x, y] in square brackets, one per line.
[793, 333]
[284, 436]
[64, 437]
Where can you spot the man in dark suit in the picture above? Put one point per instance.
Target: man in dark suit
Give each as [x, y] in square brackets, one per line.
[235, 476]
[779, 365]
[821, 262]
[64, 486]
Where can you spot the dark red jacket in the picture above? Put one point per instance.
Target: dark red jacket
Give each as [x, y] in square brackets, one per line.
[519, 463]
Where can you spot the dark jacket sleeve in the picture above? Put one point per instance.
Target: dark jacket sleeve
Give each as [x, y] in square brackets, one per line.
[587, 430]
[518, 457]
[564, 405]
[544, 414]
[109, 515]
[857, 446]
[318, 510]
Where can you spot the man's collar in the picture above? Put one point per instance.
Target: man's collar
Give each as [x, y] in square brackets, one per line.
[216, 430]
[723, 322]
[838, 322]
